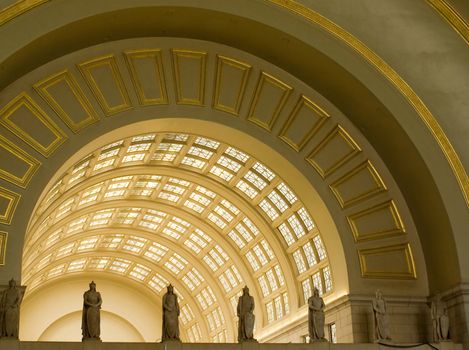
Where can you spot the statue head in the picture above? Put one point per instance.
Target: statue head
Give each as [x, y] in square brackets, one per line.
[316, 292]
[245, 290]
[379, 295]
[12, 283]
[93, 286]
[170, 289]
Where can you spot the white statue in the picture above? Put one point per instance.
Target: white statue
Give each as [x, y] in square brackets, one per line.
[11, 299]
[91, 320]
[440, 320]
[245, 312]
[316, 317]
[170, 316]
[381, 319]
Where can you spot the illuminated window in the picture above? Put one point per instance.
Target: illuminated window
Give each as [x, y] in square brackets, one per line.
[309, 253]
[89, 243]
[278, 307]
[279, 274]
[76, 265]
[246, 189]
[156, 251]
[307, 291]
[264, 286]
[119, 265]
[287, 193]
[319, 247]
[300, 263]
[272, 281]
[296, 226]
[235, 237]
[140, 272]
[286, 233]
[317, 282]
[270, 312]
[269, 209]
[158, 282]
[252, 261]
[327, 278]
[278, 201]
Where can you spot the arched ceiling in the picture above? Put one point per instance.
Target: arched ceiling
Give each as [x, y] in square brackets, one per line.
[209, 215]
[327, 76]
[370, 212]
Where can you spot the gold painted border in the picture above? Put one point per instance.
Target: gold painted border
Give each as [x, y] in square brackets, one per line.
[3, 246]
[23, 99]
[338, 130]
[398, 230]
[10, 210]
[263, 78]
[18, 8]
[66, 76]
[371, 57]
[245, 68]
[455, 20]
[25, 157]
[380, 186]
[322, 117]
[410, 274]
[155, 54]
[110, 61]
[202, 56]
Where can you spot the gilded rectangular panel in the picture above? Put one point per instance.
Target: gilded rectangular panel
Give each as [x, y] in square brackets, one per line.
[380, 221]
[303, 123]
[189, 74]
[3, 246]
[230, 84]
[62, 92]
[358, 184]
[104, 78]
[395, 262]
[23, 117]
[268, 101]
[17, 166]
[333, 151]
[146, 70]
[8, 202]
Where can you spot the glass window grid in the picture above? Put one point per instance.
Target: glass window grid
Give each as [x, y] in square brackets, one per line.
[298, 212]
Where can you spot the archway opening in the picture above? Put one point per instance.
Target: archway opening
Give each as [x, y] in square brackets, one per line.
[209, 216]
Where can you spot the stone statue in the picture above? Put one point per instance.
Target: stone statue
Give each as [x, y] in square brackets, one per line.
[170, 316]
[440, 321]
[10, 310]
[245, 312]
[381, 320]
[316, 317]
[91, 321]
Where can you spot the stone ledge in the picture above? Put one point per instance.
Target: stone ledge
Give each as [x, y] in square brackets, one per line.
[17, 345]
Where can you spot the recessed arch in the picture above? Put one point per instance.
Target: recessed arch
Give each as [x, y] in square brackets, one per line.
[112, 324]
[356, 159]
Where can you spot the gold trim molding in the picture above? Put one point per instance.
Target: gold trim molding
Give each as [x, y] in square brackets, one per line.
[13, 199]
[3, 246]
[18, 8]
[454, 19]
[404, 249]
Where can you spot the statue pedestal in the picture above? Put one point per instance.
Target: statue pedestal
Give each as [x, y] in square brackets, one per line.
[9, 344]
[91, 344]
[172, 345]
